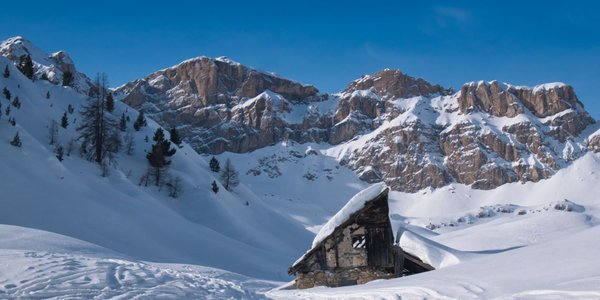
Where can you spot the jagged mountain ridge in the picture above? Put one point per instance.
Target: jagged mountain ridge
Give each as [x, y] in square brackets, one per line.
[386, 126]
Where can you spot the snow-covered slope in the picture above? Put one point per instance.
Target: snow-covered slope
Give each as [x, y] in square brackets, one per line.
[114, 212]
[519, 241]
[42, 265]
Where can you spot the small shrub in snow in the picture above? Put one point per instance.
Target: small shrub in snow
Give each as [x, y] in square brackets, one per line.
[6, 93]
[215, 187]
[6, 72]
[59, 151]
[310, 176]
[16, 141]
[16, 102]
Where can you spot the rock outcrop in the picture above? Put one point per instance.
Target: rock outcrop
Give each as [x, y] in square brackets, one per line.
[47, 67]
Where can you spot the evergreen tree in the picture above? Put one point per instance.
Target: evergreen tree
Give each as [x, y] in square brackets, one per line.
[140, 121]
[97, 126]
[215, 187]
[229, 176]
[59, 151]
[6, 93]
[110, 103]
[67, 79]
[48, 95]
[26, 66]
[6, 72]
[174, 137]
[7, 110]
[214, 165]
[12, 121]
[16, 141]
[16, 102]
[64, 121]
[70, 109]
[123, 123]
[157, 157]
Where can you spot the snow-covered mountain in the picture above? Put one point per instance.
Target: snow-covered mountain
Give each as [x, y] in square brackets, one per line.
[387, 126]
[235, 230]
[504, 175]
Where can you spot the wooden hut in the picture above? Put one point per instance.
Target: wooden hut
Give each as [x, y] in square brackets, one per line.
[356, 246]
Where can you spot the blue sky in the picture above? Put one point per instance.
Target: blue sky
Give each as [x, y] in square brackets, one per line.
[328, 43]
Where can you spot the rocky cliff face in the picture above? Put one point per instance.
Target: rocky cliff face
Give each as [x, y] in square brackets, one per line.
[222, 105]
[387, 126]
[485, 135]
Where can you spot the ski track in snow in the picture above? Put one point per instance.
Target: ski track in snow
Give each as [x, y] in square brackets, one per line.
[48, 275]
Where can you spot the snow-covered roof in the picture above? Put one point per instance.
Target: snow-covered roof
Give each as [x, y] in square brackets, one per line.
[355, 204]
[428, 251]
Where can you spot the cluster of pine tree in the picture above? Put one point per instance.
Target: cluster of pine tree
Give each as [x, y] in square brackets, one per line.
[16, 103]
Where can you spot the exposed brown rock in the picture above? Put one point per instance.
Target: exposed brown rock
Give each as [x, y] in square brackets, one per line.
[491, 98]
[394, 83]
[503, 100]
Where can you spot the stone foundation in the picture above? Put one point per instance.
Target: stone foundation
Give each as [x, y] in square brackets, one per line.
[338, 278]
